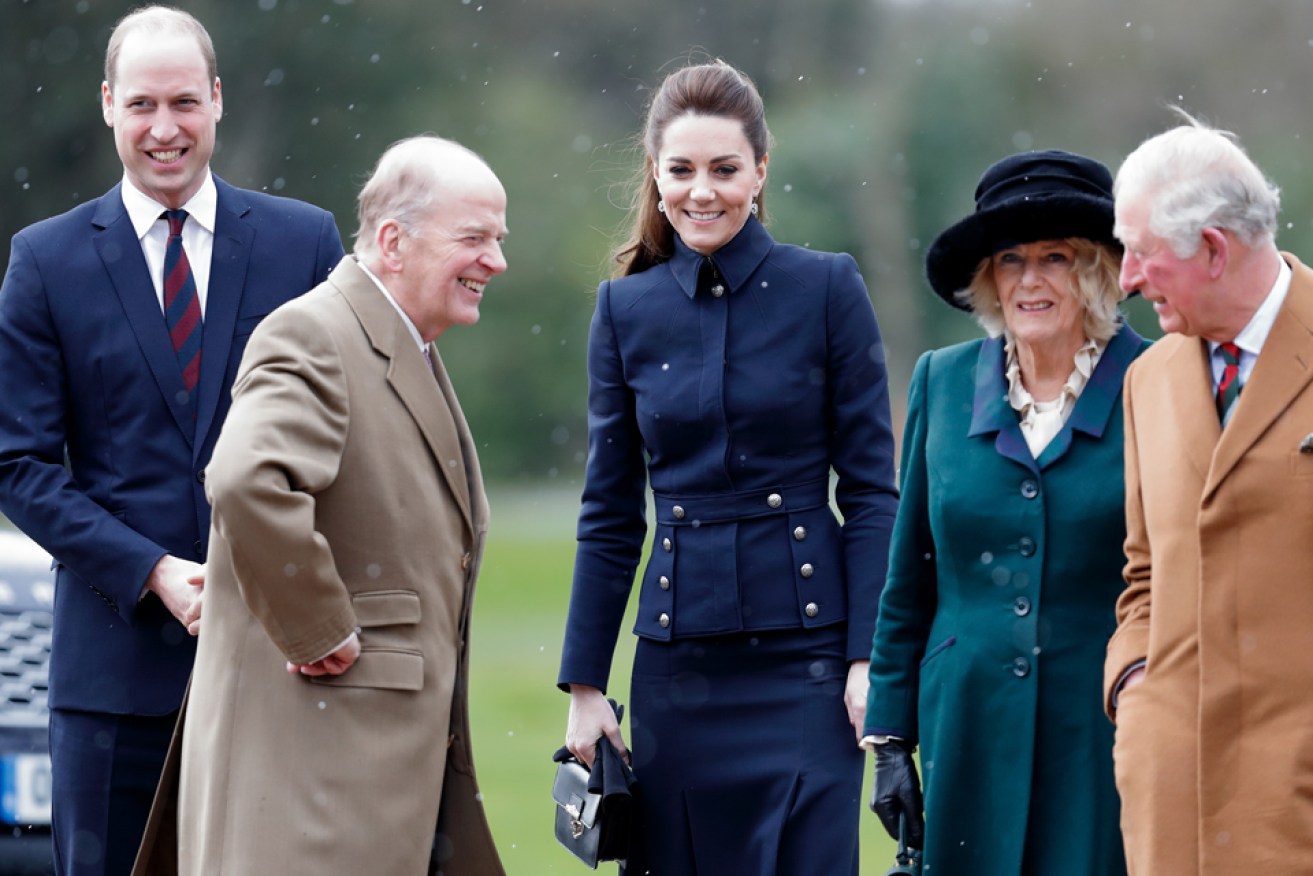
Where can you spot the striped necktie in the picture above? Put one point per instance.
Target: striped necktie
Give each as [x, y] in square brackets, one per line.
[182, 309]
[1228, 388]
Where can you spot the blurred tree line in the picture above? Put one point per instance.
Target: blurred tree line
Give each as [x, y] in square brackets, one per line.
[885, 112]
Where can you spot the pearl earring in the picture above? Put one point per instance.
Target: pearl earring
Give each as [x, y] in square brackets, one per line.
[661, 206]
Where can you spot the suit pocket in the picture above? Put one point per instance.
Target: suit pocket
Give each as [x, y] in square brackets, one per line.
[938, 649]
[382, 668]
[384, 608]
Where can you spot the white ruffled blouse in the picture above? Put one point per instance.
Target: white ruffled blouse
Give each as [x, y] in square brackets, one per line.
[1041, 420]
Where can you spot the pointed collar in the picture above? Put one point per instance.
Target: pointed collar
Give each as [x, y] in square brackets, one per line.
[735, 260]
[991, 412]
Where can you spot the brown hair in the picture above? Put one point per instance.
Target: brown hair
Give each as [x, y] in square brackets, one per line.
[714, 89]
[156, 20]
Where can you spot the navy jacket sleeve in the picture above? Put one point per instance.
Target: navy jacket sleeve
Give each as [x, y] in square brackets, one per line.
[861, 447]
[612, 522]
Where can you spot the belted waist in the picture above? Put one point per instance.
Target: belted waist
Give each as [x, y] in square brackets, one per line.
[724, 507]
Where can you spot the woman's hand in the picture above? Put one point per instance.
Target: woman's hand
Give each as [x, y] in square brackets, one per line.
[591, 718]
[854, 694]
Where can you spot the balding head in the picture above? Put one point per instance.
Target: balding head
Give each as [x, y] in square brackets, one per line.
[154, 21]
[410, 180]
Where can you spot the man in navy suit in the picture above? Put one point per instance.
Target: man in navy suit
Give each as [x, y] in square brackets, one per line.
[115, 381]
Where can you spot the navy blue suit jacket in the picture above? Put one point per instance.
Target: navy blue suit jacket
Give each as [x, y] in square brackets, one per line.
[736, 407]
[102, 453]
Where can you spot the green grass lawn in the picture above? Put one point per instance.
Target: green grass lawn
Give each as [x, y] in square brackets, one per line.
[518, 714]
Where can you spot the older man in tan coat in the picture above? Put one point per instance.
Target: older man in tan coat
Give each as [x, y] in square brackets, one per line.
[1210, 671]
[325, 729]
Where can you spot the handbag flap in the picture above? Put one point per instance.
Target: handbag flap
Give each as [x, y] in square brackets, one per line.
[570, 791]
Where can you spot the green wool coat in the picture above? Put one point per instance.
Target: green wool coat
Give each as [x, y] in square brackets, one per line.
[1003, 575]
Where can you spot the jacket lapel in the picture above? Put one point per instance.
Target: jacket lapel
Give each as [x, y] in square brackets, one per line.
[429, 402]
[1282, 372]
[233, 239]
[1101, 395]
[990, 411]
[120, 251]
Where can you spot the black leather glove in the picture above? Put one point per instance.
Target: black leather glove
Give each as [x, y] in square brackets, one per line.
[897, 791]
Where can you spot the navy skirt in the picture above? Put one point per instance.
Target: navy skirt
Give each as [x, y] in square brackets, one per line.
[745, 759]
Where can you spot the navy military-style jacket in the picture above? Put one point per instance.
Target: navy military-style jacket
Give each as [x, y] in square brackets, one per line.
[734, 384]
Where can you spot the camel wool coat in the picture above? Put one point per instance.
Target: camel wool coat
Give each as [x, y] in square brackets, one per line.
[1214, 750]
[347, 496]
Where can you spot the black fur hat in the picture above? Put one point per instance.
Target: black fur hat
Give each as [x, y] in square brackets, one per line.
[1048, 195]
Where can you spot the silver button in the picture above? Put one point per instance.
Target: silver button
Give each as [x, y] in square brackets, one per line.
[717, 291]
[812, 609]
[664, 582]
[1021, 606]
[666, 545]
[1021, 667]
[664, 621]
[807, 570]
[678, 511]
[800, 533]
[775, 500]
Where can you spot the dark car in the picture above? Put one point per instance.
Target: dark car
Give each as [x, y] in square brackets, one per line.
[27, 597]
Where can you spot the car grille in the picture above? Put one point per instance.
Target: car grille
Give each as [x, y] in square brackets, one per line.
[24, 665]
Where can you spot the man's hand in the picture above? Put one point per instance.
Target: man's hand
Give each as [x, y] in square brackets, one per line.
[334, 664]
[897, 791]
[179, 584]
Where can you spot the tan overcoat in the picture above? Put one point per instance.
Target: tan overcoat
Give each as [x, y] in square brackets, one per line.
[346, 495]
[1214, 750]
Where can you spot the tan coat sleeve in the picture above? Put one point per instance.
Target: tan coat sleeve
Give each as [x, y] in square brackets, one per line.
[281, 445]
[1130, 642]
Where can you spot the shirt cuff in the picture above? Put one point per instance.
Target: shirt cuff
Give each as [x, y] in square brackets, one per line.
[1121, 680]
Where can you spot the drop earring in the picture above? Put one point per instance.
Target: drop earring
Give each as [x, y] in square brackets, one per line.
[754, 207]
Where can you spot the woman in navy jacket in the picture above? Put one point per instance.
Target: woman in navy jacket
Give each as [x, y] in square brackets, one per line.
[733, 374]
[1007, 555]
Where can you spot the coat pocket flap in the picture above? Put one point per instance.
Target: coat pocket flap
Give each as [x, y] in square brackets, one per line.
[382, 608]
[388, 669]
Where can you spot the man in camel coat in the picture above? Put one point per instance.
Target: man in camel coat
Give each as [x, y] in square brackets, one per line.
[325, 730]
[1210, 671]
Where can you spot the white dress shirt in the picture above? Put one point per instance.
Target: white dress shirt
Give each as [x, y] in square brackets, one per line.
[197, 234]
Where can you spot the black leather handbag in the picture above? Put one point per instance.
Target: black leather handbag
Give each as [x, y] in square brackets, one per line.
[594, 809]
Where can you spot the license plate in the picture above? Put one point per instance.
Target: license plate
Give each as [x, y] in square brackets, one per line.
[25, 789]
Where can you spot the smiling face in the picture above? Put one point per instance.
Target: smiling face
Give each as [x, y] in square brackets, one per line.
[163, 109]
[444, 265]
[1179, 288]
[1036, 294]
[707, 176]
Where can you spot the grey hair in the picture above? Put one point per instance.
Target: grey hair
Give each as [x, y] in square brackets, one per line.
[1094, 282]
[1199, 177]
[159, 20]
[402, 188]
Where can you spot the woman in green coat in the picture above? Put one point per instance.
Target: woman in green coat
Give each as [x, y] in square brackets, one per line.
[1006, 556]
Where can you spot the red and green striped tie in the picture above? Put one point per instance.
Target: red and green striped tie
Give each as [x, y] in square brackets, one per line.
[1228, 388]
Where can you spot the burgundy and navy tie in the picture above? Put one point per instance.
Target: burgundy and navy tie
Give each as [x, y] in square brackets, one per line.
[182, 309]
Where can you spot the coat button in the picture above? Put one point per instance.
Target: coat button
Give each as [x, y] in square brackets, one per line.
[1026, 546]
[812, 609]
[1029, 489]
[664, 582]
[664, 621]
[800, 533]
[200, 476]
[666, 545]
[1021, 606]
[807, 570]
[775, 500]
[465, 561]
[678, 511]
[1021, 667]
[199, 548]
[717, 291]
